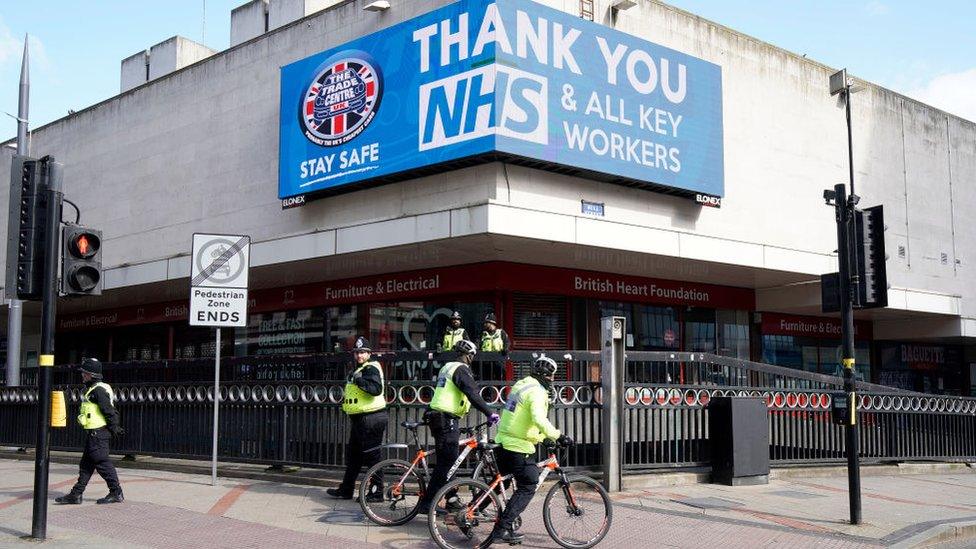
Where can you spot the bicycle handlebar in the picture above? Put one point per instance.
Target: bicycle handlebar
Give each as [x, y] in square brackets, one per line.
[554, 445]
[471, 430]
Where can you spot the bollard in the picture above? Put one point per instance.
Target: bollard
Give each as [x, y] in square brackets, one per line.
[59, 412]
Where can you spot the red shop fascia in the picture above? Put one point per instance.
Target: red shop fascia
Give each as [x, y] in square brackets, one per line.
[508, 286]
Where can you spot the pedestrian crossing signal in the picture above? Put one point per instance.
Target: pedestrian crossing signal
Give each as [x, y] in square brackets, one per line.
[81, 261]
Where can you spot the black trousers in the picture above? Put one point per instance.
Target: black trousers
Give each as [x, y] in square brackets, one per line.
[95, 458]
[366, 433]
[526, 473]
[446, 430]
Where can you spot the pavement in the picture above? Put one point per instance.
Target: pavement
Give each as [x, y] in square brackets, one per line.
[170, 510]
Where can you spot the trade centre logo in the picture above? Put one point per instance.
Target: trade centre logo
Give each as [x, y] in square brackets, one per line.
[342, 99]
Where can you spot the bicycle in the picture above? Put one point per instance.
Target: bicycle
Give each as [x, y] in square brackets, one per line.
[482, 507]
[397, 503]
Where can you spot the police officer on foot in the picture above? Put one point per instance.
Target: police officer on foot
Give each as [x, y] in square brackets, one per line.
[456, 391]
[365, 404]
[100, 420]
[524, 423]
[493, 339]
[454, 333]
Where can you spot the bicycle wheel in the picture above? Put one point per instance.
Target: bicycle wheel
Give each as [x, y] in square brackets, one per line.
[577, 514]
[469, 526]
[391, 491]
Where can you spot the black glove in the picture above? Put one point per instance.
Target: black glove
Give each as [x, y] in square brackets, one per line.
[564, 440]
[116, 431]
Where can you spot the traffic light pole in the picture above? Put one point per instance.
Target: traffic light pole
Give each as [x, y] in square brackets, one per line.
[46, 359]
[844, 212]
[15, 314]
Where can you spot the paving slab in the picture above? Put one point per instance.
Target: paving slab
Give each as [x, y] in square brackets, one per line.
[167, 509]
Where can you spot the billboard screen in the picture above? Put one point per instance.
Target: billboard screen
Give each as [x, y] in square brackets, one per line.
[506, 78]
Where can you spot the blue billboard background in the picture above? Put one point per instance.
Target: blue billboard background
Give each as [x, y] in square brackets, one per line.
[512, 77]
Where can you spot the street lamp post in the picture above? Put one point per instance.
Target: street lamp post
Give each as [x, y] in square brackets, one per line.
[844, 204]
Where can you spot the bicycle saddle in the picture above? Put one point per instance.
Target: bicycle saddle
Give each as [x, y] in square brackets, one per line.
[412, 424]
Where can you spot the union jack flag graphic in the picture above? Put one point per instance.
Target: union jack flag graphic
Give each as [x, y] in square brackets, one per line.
[340, 102]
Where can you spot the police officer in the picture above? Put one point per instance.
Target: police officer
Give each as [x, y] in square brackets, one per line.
[524, 423]
[493, 339]
[456, 391]
[100, 421]
[365, 405]
[454, 333]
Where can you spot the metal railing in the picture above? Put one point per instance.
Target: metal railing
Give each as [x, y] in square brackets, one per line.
[665, 422]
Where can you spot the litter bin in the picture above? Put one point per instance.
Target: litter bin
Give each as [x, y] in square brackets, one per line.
[739, 435]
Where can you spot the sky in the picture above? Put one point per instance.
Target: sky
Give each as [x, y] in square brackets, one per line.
[77, 47]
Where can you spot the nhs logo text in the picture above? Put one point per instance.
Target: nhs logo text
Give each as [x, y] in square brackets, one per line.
[490, 100]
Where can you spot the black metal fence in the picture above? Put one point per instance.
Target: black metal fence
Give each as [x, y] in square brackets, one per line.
[269, 416]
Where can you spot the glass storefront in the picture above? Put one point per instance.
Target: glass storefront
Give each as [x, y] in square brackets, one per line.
[663, 328]
[811, 354]
[934, 369]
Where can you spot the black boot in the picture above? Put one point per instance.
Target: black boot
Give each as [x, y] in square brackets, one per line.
[338, 493]
[504, 535]
[69, 499]
[114, 496]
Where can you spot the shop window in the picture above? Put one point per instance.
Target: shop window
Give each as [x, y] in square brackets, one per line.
[699, 330]
[649, 328]
[200, 342]
[732, 329]
[420, 326]
[140, 343]
[925, 368]
[282, 333]
[815, 355]
[72, 347]
[341, 327]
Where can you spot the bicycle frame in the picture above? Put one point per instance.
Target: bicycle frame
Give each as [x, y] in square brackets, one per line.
[498, 484]
[468, 445]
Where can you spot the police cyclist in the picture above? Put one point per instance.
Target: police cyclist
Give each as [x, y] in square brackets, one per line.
[456, 391]
[454, 333]
[365, 405]
[100, 420]
[524, 423]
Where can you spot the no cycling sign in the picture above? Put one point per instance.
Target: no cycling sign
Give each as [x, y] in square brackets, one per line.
[218, 280]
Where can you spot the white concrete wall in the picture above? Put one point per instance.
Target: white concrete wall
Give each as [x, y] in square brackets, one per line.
[174, 54]
[197, 151]
[282, 12]
[248, 21]
[134, 71]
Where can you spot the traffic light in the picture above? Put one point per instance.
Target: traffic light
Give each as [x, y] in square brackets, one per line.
[27, 226]
[81, 261]
[868, 249]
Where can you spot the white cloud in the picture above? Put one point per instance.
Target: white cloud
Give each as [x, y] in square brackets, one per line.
[10, 47]
[876, 8]
[954, 93]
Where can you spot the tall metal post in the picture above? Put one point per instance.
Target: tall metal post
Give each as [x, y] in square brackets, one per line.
[46, 359]
[15, 313]
[613, 329]
[844, 212]
[213, 472]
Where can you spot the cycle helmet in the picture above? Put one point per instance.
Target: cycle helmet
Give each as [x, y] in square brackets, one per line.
[545, 367]
[465, 347]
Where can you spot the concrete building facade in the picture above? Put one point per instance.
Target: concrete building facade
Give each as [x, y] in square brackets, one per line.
[194, 149]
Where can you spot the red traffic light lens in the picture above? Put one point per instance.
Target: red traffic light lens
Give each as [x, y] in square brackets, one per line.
[84, 245]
